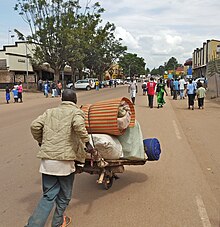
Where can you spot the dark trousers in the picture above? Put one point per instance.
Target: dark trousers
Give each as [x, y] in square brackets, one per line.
[175, 93]
[191, 98]
[150, 100]
[20, 96]
[200, 102]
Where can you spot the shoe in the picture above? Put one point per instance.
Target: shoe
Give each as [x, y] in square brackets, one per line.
[192, 108]
[66, 221]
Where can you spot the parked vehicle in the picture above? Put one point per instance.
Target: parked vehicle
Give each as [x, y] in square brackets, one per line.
[201, 79]
[87, 84]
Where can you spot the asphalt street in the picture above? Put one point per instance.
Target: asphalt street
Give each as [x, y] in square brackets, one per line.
[182, 189]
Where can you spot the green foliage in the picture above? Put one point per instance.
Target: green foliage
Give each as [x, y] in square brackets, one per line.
[64, 33]
[132, 64]
[171, 64]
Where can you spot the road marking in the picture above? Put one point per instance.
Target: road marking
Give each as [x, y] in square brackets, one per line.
[202, 212]
[176, 130]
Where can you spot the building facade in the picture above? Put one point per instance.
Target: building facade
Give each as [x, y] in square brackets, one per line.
[206, 62]
[202, 56]
[15, 64]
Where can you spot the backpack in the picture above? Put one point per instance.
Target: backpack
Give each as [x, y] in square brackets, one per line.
[152, 149]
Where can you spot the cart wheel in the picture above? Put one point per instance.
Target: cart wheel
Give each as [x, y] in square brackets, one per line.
[108, 182]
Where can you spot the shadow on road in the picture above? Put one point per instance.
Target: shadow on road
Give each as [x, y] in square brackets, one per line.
[86, 190]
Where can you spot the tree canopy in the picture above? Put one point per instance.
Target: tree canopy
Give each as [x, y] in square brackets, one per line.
[66, 33]
[132, 64]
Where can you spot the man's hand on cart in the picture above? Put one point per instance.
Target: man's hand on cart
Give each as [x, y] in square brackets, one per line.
[89, 147]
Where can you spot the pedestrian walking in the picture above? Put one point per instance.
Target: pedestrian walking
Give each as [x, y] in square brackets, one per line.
[15, 93]
[62, 136]
[132, 89]
[144, 87]
[59, 88]
[201, 93]
[54, 91]
[20, 91]
[175, 88]
[7, 94]
[97, 85]
[182, 84]
[171, 87]
[160, 93]
[46, 89]
[39, 84]
[191, 90]
[151, 91]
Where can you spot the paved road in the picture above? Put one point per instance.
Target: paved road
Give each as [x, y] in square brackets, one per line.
[180, 190]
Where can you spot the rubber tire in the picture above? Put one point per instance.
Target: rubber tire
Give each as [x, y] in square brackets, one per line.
[108, 184]
[88, 88]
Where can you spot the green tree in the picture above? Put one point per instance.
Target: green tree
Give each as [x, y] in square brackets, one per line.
[172, 64]
[132, 64]
[48, 22]
[103, 50]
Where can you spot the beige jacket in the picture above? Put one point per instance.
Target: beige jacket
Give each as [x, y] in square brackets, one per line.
[62, 133]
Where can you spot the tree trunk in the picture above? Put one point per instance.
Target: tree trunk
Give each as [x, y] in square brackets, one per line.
[73, 77]
[56, 75]
[80, 74]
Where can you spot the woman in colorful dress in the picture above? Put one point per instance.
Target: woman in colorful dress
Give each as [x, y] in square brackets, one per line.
[160, 93]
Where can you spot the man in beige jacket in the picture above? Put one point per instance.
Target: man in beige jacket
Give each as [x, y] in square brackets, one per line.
[62, 137]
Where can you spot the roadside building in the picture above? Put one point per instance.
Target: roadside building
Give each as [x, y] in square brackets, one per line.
[206, 63]
[16, 65]
[203, 55]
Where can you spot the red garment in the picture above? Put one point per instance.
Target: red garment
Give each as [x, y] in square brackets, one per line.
[151, 88]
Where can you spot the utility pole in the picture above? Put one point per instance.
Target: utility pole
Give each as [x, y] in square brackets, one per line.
[21, 36]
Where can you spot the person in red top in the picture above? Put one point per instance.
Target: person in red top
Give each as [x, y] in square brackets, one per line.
[151, 91]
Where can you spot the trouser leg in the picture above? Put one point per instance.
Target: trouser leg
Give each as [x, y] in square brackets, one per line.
[63, 198]
[51, 189]
[151, 99]
[133, 100]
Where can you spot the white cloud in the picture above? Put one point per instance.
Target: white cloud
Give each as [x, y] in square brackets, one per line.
[155, 30]
[127, 38]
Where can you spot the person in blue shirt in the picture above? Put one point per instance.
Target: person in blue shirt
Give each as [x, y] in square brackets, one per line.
[46, 89]
[191, 92]
[15, 93]
[175, 88]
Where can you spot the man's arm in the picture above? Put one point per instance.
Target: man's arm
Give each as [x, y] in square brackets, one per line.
[79, 127]
[37, 128]
[80, 130]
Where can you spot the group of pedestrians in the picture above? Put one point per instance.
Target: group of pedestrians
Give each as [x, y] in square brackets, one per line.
[179, 87]
[50, 87]
[189, 89]
[17, 91]
[152, 88]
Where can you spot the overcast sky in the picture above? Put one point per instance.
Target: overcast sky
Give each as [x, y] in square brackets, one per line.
[155, 30]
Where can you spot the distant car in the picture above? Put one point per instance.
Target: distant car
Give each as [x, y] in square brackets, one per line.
[83, 84]
[86, 84]
[70, 85]
[201, 79]
[118, 81]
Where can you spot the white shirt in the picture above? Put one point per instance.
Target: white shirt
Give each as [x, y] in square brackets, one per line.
[57, 168]
[132, 86]
[182, 83]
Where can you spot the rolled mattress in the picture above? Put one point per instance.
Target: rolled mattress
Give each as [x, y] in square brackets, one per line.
[101, 117]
